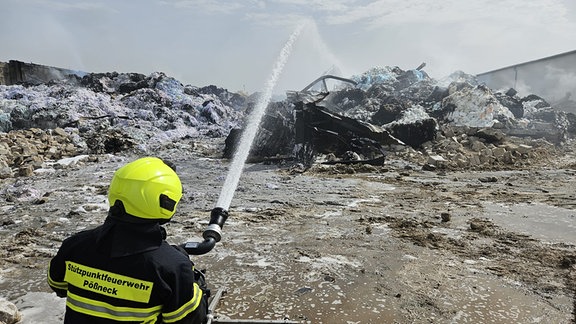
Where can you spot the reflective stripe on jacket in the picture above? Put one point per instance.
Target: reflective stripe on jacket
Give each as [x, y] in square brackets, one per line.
[104, 281]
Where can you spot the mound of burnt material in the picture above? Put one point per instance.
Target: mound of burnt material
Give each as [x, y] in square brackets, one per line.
[109, 113]
[411, 108]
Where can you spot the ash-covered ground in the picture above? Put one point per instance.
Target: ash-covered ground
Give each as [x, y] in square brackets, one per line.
[460, 230]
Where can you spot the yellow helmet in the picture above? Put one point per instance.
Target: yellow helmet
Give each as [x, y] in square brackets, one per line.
[148, 188]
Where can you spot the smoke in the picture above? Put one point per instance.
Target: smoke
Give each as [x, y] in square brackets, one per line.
[311, 57]
[561, 82]
[553, 78]
[43, 39]
[325, 53]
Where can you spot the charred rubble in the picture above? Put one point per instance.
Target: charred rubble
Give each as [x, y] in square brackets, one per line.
[385, 112]
[107, 113]
[451, 123]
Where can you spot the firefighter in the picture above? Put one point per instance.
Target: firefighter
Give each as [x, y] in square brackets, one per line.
[124, 270]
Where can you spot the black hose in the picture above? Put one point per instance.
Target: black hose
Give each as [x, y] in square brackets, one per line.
[198, 248]
[212, 234]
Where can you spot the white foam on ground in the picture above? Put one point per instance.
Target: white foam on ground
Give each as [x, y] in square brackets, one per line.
[41, 308]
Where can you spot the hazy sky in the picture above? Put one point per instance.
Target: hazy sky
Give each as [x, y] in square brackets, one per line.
[234, 43]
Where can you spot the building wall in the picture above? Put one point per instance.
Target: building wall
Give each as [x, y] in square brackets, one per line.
[15, 72]
[552, 78]
[2, 79]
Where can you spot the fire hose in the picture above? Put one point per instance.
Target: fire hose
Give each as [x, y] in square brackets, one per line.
[212, 234]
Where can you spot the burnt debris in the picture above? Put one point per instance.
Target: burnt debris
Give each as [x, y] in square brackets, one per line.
[363, 117]
[454, 122]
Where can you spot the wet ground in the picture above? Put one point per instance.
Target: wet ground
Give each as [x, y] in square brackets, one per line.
[337, 244]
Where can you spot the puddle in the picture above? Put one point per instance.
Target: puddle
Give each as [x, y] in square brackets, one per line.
[540, 221]
[313, 296]
[488, 301]
[463, 293]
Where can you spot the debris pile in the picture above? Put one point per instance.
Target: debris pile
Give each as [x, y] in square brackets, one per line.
[106, 113]
[23, 151]
[479, 148]
[451, 123]
[384, 112]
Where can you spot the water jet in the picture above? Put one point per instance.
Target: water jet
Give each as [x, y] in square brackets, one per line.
[219, 214]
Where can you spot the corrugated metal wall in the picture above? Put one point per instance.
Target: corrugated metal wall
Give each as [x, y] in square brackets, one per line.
[552, 78]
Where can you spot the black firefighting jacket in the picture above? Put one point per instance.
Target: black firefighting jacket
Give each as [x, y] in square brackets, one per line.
[125, 272]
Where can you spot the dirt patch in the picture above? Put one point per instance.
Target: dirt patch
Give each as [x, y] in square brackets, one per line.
[336, 244]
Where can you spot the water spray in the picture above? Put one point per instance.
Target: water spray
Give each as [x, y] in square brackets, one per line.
[219, 214]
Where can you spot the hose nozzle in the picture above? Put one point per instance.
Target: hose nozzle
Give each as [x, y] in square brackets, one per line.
[218, 217]
[211, 235]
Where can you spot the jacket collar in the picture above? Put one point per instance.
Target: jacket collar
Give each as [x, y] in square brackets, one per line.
[120, 238]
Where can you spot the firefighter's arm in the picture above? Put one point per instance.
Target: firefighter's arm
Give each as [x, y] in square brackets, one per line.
[189, 302]
[56, 271]
[198, 316]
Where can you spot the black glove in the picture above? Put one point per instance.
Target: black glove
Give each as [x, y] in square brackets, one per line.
[200, 277]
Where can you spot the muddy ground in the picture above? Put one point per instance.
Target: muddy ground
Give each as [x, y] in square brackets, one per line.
[335, 244]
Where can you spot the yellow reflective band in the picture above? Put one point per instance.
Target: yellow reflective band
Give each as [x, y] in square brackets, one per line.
[186, 309]
[56, 284]
[104, 310]
[108, 283]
